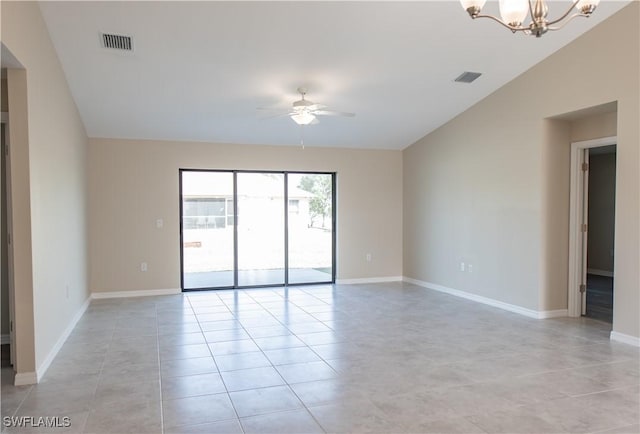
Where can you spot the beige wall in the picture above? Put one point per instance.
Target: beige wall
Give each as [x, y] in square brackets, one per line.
[602, 189]
[594, 126]
[491, 187]
[133, 183]
[49, 185]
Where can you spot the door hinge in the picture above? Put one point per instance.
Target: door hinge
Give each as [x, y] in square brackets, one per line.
[585, 167]
[583, 288]
[10, 326]
[584, 227]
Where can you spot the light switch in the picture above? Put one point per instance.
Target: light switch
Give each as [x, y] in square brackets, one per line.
[159, 223]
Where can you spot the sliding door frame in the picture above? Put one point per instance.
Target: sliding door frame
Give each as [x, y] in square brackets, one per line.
[235, 227]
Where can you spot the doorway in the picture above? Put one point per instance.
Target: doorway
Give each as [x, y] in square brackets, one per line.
[7, 351]
[242, 229]
[592, 232]
[601, 178]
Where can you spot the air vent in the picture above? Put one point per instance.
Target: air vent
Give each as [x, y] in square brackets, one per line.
[117, 42]
[467, 77]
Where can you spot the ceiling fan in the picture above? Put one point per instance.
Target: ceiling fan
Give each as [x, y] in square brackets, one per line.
[305, 112]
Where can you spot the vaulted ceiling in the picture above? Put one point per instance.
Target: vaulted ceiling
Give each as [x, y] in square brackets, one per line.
[199, 70]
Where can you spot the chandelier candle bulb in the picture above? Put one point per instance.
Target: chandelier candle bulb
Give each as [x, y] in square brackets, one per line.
[473, 6]
[514, 12]
[587, 6]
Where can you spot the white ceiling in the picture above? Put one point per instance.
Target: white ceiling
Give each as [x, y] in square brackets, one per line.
[200, 69]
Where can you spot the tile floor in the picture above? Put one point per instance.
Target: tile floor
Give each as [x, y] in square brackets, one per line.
[386, 358]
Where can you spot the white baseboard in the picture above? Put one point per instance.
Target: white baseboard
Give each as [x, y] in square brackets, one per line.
[625, 339]
[369, 280]
[489, 301]
[139, 293]
[25, 379]
[63, 338]
[559, 313]
[5, 339]
[597, 272]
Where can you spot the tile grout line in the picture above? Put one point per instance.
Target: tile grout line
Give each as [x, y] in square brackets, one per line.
[235, 411]
[104, 361]
[159, 370]
[274, 366]
[287, 383]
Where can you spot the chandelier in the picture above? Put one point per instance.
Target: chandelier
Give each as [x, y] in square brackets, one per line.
[514, 12]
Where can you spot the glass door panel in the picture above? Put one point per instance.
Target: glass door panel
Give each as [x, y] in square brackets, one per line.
[260, 220]
[310, 233]
[207, 229]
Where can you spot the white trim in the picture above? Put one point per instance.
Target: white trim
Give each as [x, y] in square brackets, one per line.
[25, 379]
[63, 338]
[5, 339]
[558, 313]
[139, 293]
[625, 339]
[597, 272]
[574, 299]
[369, 280]
[489, 301]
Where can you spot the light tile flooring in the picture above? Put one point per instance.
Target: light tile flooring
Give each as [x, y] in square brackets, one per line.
[361, 358]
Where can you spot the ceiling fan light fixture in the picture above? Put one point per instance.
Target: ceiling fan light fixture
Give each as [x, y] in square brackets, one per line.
[301, 104]
[303, 118]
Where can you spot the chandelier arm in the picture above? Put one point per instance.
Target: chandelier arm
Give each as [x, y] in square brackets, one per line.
[568, 20]
[566, 14]
[499, 21]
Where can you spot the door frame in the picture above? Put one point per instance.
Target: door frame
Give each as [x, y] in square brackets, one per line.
[286, 173]
[4, 119]
[578, 203]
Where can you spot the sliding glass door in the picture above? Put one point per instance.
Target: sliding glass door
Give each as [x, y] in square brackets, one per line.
[208, 249]
[310, 239]
[249, 228]
[260, 229]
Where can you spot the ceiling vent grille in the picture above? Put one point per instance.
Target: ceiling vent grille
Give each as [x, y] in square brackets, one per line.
[467, 77]
[117, 42]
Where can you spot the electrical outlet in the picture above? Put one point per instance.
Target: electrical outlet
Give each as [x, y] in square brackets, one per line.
[470, 268]
[368, 257]
[143, 266]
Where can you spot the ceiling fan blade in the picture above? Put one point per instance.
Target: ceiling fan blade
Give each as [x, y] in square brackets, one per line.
[314, 107]
[280, 109]
[315, 121]
[333, 113]
[281, 114]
